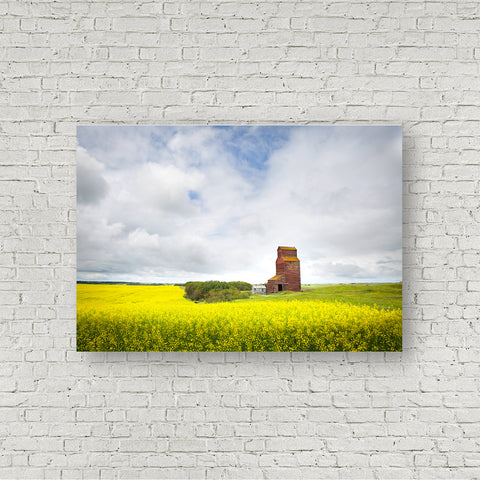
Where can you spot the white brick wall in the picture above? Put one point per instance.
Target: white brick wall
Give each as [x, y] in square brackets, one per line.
[231, 415]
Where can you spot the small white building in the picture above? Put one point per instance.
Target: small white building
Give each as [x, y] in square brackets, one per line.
[259, 289]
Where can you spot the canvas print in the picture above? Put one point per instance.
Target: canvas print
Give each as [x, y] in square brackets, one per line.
[239, 238]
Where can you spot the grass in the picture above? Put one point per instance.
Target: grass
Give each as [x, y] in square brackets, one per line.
[385, 295]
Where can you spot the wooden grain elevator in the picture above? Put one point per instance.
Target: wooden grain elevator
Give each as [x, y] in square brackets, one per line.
[287, 277]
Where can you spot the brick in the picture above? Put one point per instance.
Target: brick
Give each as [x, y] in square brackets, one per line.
[168, 415]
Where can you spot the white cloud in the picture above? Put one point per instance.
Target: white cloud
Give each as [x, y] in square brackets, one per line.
[92, 187]
[139, 238]
[189, 206]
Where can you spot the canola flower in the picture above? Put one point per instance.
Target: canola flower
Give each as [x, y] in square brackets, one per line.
[158, 318]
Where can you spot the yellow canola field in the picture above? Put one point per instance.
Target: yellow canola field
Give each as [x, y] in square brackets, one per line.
[158, 318]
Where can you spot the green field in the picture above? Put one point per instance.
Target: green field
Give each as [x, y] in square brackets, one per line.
[386, 295]
[350, 317]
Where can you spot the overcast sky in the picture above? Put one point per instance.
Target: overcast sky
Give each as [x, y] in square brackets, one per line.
[172, 204]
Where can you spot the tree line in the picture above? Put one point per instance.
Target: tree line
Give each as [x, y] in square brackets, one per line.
[216, 291]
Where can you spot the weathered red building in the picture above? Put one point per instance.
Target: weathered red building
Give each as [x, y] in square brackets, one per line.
[287, 277]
